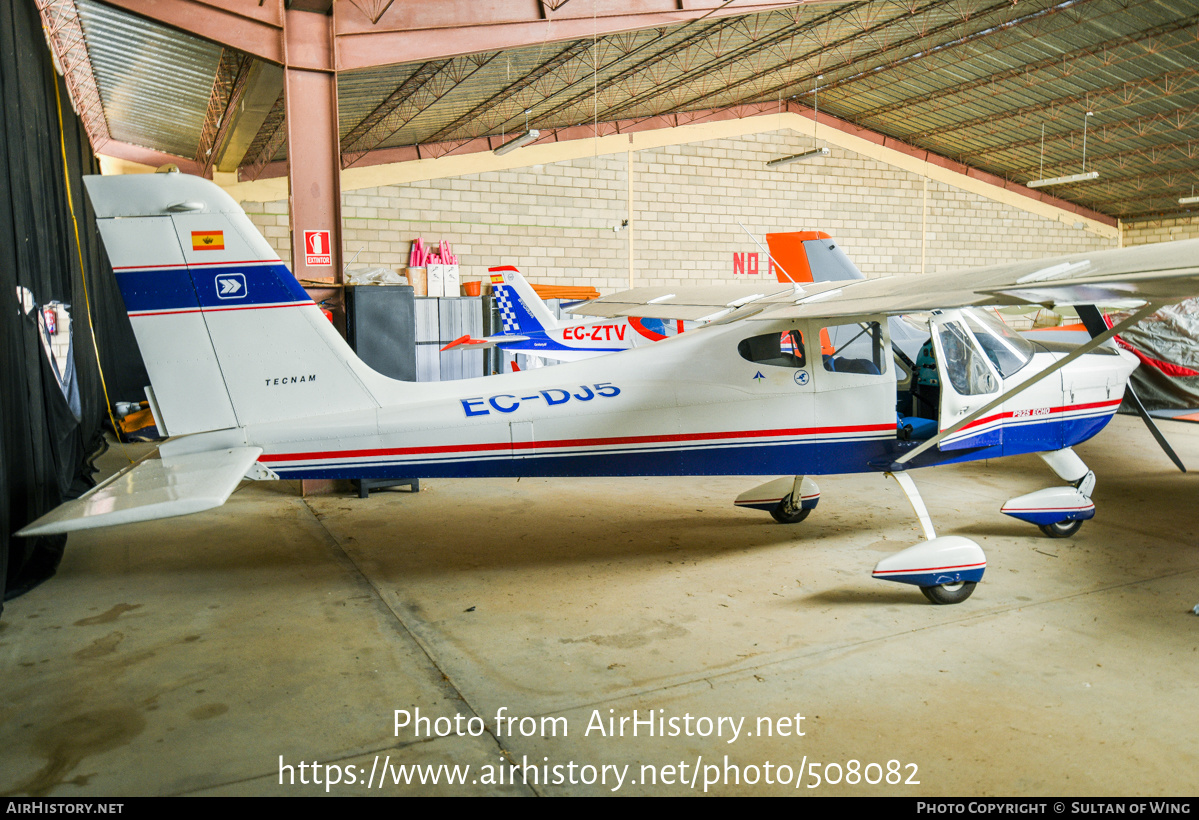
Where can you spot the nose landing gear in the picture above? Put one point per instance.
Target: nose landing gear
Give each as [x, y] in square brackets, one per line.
[1058, 511]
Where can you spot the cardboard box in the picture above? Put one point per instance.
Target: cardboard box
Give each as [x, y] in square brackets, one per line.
[436, 278]
[419, 279]
[443, 280]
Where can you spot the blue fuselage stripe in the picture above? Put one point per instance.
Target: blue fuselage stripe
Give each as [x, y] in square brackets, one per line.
[797, 458]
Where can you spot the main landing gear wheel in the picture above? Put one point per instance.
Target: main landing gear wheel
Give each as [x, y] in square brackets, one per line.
[1062, 529]
[949, 593]
[784, 513]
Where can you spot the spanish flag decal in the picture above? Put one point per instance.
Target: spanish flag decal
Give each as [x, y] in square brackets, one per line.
[208, 240]
[497, 278]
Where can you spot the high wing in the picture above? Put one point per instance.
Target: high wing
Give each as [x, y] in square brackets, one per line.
[697, 303]
[1157, 274]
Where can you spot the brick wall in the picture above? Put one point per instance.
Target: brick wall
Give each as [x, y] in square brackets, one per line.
[1161, 230]
[555, 221]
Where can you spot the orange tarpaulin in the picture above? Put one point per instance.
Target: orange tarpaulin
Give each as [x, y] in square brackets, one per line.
[567, 292]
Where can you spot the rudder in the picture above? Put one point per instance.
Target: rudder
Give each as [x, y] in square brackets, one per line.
[810, 256]
[228, 335]
[521, 308]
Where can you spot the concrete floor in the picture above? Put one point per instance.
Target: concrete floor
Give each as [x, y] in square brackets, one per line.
[195, 655]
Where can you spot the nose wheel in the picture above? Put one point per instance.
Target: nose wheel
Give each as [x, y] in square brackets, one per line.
[1058, 511]
[949, 593]
[785, 513]
[1062, 529]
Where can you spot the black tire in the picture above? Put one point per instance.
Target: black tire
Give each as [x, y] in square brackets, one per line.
[783, 515]
[1062, 529]
[949, 593]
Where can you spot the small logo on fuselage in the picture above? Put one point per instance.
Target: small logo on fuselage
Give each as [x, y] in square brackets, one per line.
[231, 286]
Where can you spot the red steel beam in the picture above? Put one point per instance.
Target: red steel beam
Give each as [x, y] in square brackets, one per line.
[417, 30]
[60, 21]
[253, 27]
[314, 166]
[148, 156]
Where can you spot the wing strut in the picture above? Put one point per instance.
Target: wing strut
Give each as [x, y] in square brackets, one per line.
[1081, 350]
[1094, 322]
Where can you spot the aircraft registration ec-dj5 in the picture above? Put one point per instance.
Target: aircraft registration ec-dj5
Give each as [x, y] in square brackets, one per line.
[251, 381]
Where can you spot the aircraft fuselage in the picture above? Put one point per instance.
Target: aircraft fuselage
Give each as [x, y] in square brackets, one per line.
[690, 405]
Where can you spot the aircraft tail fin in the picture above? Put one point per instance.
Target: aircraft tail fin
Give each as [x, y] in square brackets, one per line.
[228, 335]
[810, 256]
[520, 306]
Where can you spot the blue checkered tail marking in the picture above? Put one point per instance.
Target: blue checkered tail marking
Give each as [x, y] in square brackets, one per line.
[517, 317]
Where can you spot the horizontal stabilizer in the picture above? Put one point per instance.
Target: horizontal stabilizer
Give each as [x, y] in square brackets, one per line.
[469, 343]
[152, 489]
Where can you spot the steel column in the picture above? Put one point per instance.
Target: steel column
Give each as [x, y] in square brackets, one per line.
[314, 164]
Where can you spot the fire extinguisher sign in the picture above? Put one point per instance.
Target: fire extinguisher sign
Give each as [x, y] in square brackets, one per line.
[316, 249]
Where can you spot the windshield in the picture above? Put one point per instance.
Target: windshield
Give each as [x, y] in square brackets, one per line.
[967, 371]
[1007, 350]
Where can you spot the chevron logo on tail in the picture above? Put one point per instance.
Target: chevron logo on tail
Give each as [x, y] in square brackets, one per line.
[231, 286]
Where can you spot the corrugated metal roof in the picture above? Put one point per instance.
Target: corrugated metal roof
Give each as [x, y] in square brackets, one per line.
[974, 80]
[155, 82]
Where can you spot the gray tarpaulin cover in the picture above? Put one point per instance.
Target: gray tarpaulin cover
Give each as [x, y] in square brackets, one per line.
[1167, 343]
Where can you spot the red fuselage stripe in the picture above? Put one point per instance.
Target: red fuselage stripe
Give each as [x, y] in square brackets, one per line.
[217, 309]
[1050, 411]
[199, 264]
[929, 569]
[581, 442]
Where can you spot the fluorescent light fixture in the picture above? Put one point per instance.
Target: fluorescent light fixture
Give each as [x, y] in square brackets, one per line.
[517, 142]
[819, 152]
[1189, 200]
[1041, 183]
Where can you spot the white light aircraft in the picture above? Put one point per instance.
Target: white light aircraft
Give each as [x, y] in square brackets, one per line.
[530, 328]
[251, 381]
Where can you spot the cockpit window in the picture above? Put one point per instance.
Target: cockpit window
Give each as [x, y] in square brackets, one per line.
[774, 349]
[856, 348]
[1007, 350]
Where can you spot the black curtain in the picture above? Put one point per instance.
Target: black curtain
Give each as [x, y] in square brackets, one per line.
[43, 446]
